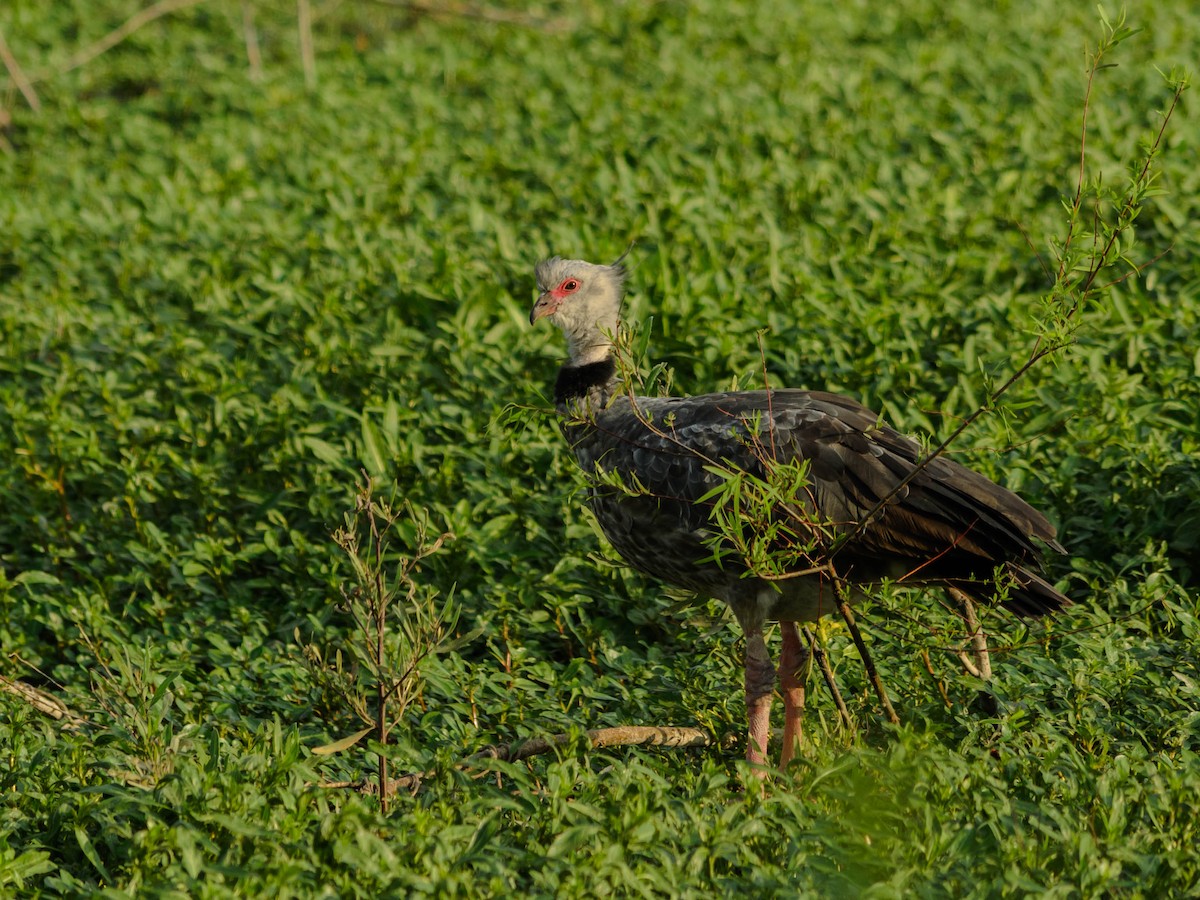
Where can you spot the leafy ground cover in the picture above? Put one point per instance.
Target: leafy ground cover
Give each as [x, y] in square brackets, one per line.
[223, 293]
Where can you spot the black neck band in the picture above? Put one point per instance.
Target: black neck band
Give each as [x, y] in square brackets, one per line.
[577, 381]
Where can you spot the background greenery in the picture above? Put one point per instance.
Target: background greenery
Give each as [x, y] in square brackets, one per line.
[220, 296]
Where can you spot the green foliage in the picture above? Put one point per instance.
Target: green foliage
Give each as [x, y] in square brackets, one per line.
[759, 522]
[221, 298]
[399, 623]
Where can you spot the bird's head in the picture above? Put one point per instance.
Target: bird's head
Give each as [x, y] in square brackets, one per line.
[584, 300]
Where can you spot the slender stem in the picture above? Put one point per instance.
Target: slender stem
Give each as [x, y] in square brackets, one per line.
[1079, 291]
[937, 681]
[307, 56]
[979, 644]
[18, 76]
[822, 659]
[622, 736]
[1087, 102]
[118, 34]
[250, 33]
[868, 663]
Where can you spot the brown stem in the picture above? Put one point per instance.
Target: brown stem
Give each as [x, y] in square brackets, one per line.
[307, 57]
[868, 663]
[622, 736]
[822, 659]
[18, 76]
[114, 37]
[979, 644]
[46, 704]
[932, 674]
[250, 33]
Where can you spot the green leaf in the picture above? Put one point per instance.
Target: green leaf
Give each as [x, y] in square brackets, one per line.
[375, 456]
[325, 451]
[344, 744]
[89, 850]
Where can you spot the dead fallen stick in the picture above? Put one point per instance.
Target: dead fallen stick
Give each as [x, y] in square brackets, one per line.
[17, 75]
[114, 37]
[46, 704]
[471, 11]
[623, 736]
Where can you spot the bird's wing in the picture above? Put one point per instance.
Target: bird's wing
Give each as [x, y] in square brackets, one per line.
[670, 445]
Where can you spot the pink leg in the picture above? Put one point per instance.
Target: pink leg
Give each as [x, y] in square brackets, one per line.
[791, 661]
[760, 685]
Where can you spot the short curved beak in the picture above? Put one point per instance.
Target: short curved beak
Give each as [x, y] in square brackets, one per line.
[545, 306]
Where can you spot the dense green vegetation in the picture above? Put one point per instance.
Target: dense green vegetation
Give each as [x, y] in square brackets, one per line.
[221, 296]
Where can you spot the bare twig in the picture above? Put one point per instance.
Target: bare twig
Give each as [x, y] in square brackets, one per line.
[18, 76]
[623, 736]
[868, 663]
[378, 613]
[114, 37]
[470, 11]
[46, 704]
[250, 32]
[307, 57]
[822, 659]
[979, 645]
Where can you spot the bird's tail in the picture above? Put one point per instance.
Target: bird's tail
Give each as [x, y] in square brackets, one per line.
[1018, 590]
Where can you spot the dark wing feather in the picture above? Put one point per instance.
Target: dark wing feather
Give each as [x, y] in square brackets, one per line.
[946, 524]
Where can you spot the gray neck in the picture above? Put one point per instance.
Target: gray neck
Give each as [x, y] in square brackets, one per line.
[593, 342]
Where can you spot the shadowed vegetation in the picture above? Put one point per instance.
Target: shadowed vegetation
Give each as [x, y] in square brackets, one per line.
[223, 294]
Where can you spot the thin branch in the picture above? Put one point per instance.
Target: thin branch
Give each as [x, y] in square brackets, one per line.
[1032, 249]
[114, 37]
[470, 11]
[1075, 204]
[822, 659]
[762, 355]
[18, 76]
[623, 736]
[937, 681]
[968, 666]
[979, 645]
[1037, 355]
[46, 704]
[1132, 199]
[250, 33]
[1137, 270]
[868, 663]
[307, 56]
[1081, 290]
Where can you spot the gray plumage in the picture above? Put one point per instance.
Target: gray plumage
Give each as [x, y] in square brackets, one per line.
[946, 525]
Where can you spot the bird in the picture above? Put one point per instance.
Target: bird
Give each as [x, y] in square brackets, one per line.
[867, 505]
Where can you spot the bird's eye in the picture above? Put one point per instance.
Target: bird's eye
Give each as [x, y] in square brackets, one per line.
[569, 285]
